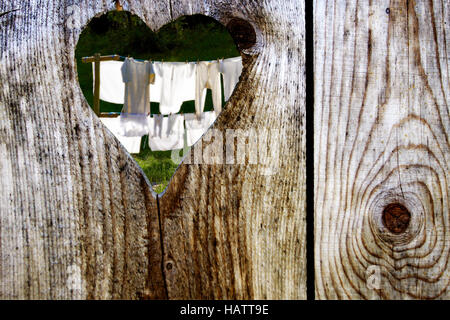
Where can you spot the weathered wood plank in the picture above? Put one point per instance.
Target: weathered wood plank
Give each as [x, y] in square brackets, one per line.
[77, 217]
[234, 231]
[382, 137]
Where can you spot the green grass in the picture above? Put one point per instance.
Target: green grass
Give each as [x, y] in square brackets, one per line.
[189, 38]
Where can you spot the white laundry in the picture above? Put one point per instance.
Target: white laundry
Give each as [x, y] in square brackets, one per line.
[176, 84]
[112, 124]
[195, 128]
[133, 125]
[112, 87]
[131, 144]
[155, 125]
[231, 69]
[166, 133]
[208, 77]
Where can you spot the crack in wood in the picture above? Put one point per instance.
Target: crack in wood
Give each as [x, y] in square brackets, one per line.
[161, 239]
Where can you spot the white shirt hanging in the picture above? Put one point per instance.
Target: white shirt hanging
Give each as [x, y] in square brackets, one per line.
[137, 77]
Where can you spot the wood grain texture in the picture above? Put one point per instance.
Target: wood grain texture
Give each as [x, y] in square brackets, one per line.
[231, 231]
[78, 218]
[381, 137]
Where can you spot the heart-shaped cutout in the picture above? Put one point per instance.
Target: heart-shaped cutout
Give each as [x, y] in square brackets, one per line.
[193, 39]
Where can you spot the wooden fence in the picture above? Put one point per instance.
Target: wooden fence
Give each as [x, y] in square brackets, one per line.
[78, 219]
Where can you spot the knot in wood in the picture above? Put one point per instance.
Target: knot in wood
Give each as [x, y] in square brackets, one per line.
[243, 33]
[396, 218]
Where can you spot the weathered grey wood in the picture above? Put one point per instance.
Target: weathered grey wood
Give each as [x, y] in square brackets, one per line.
[229, 230]
[381, 136]
[77, 216]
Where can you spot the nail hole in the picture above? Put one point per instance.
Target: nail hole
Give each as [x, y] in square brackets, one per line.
[242, 32]
[388, 10]
[169, 266]
[396, 218]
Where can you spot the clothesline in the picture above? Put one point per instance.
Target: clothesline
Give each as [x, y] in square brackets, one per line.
[111, 85]
[141, 60]
[135, 85]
